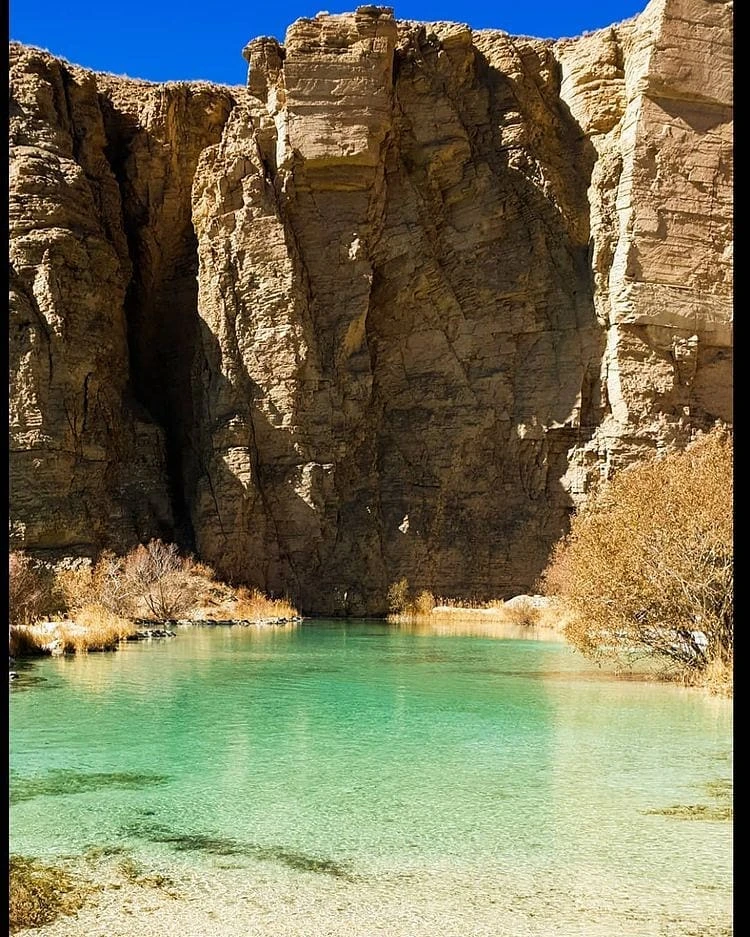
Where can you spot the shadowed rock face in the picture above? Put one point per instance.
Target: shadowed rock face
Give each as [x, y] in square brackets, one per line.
[388, 311]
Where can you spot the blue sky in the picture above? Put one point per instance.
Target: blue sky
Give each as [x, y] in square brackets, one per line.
[203, 39]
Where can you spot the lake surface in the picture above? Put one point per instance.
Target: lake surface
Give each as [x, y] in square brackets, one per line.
[361, 779]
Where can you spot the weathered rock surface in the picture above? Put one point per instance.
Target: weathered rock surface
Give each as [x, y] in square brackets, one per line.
[388, 311]
[102, 299]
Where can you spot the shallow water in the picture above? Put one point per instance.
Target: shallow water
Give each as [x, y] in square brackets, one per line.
[462, 785]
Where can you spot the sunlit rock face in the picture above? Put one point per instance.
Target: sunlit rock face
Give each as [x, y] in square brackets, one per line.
[388, 311]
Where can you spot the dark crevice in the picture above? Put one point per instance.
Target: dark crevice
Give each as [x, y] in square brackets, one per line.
[161, 311]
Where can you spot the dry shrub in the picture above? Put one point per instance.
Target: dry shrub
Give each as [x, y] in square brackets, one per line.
[253, 605]
[522, 613]
[398, 596]
[31, 592]
[76, 586]
[38, 893]
[215, 600]
[555, 616]
[151, 581]
[203, 571]
[211, 598]
[158, 580]
[404, 605]
[102, 584]
[647, 568]
[493, 618]
[95, 629]
[425, 609]
[716, 676]
[424, 603]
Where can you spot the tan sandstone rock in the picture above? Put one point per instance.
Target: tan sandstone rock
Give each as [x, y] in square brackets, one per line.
[386, 312]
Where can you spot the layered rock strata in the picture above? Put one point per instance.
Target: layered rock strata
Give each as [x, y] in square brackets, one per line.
[386, 312]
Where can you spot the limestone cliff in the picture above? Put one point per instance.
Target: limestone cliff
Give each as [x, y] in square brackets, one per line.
[387, 311]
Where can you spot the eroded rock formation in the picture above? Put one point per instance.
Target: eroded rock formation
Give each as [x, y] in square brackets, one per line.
[387, 311]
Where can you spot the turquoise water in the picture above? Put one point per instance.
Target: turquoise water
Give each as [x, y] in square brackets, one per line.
[359, 760]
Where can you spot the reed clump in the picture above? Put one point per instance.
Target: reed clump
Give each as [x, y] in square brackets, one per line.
[26, 641]
[254, 605]
[96, 628]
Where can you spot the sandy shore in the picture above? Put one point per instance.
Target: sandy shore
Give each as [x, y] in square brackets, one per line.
[258, 902]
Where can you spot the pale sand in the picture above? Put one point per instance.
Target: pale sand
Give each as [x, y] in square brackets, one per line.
[251, 902]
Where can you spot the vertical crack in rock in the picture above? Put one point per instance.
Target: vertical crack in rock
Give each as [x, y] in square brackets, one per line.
[155, 138]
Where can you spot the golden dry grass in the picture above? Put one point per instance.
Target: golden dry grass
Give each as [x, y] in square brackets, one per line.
[95, 628]
[214, 600]
[523, 613]
[253, 605]
[717, 677]
[26, 641]
[451, 616]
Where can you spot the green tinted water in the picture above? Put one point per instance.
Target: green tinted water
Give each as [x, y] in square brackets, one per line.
[476, 780]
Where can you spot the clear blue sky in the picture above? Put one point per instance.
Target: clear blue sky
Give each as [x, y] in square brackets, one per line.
[170, 40]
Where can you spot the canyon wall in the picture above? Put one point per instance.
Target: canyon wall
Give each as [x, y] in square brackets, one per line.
[388, 311]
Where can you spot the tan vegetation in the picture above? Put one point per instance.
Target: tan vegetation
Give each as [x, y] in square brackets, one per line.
[398, 598]
[30, 589]
[99, 602]
[102, 584]
[158, 581]
[422, 609]
[647, 569]
[523, 613]
[252, 605]
[95, 629]
[27, 641]
[39, 893]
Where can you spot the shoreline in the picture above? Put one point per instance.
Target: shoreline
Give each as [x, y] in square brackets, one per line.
[448, 621]
[261, 900]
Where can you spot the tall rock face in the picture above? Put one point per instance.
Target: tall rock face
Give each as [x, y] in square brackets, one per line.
[386, 312]
[661, 216]
[102, 301]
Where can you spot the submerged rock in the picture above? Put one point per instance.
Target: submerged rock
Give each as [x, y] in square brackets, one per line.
[148, 633]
